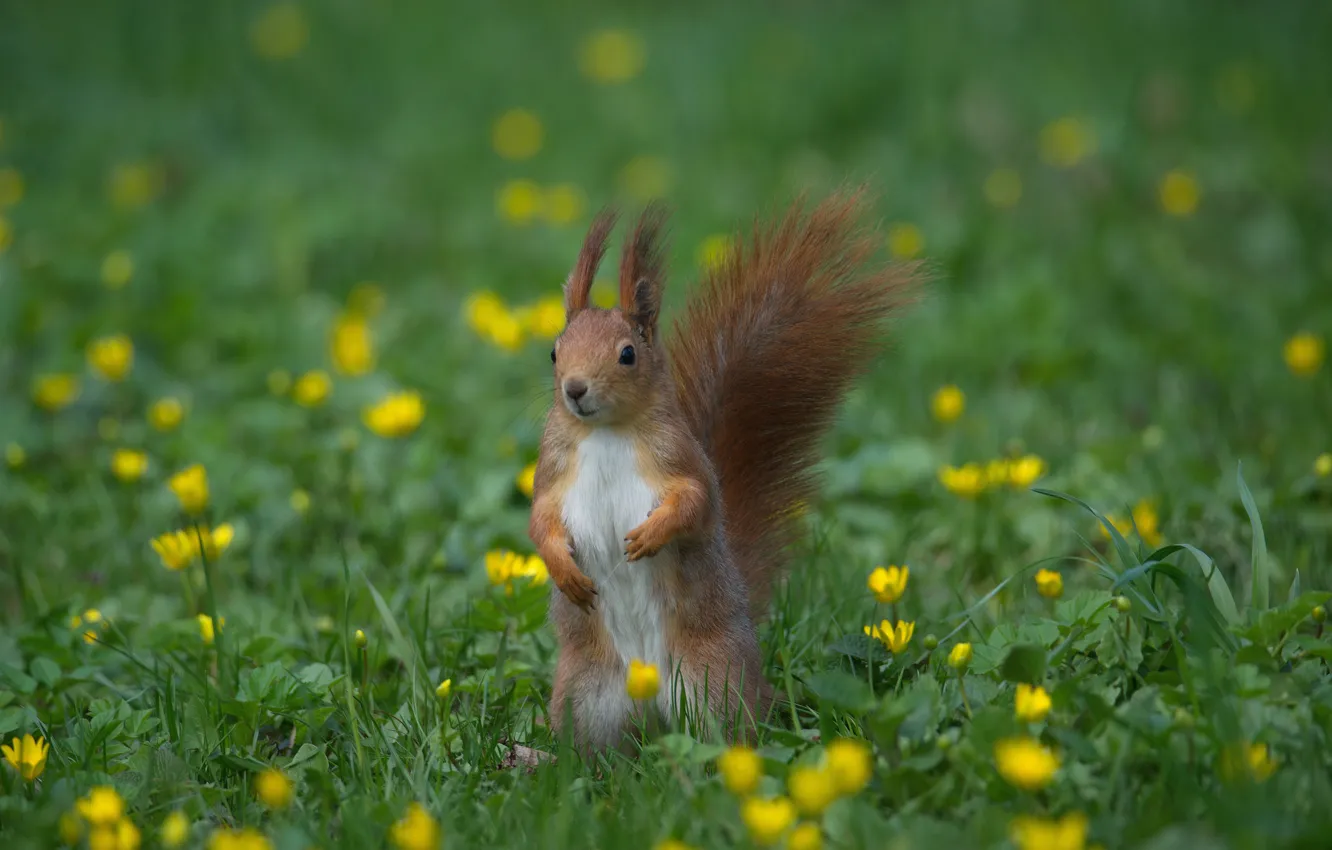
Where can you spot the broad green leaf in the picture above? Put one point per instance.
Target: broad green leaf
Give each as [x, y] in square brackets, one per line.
[1025, 663]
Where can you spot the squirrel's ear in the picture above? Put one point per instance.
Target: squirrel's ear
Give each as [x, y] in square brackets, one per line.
[642, 271]
[579, 283]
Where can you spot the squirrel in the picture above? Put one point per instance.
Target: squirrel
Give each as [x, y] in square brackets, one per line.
[673, 470]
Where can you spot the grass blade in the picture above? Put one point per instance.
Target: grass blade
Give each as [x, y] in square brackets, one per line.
[1258, 593]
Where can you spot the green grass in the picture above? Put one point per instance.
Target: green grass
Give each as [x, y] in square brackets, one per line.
[1138, 353]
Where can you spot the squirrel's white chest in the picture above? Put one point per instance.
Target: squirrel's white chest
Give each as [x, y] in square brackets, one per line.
[608, 498]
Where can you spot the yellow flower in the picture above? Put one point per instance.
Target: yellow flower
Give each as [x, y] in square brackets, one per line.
[896, 639]
[1024, 763]
[175, 829]
[55, 392]
[806, 836]
[90, 637]
[563, 203]
[1003, 187]
[1024, 471]
[998, 472]
[15, 456]
[967, 481]
[714, 251]
[175, 548]
[27, 755]
[947, 403]
[191, 488]
[239, 839]
[1066, 833]
[350, 346]
[122, 835]
[416, 831]
[273, 788]
[533, 568]
[1246, 762]
[111, 356]
[312, 388]
[905, 241]
[1304, 354]
[482, 309]
[11, 187]
[1179, 193]
[397, 415]
[546, 318]
[1323, 465]
[102, 806]
[960, 657]
[1049, 583]
[92, 615]
[117, 269]
[216, 541]
[740, 769]
[671, 844]
[526, 479]
[70, 827]
[1066, 142]
[1148, 522]
[1031, 703]
[445, 688]
[768, 820]
[645, 178]
[300, 501]
[812, 789]
[849, 763]
[166, 414]
[889, 584]
[517, 134]
[518, 201]
[280, 32]
[134, 184]
[128, 465]
[611, 56]
[642, 680]
[206, 627]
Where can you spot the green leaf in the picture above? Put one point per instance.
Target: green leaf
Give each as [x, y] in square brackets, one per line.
[1294, 592]
[1258, 594]
[842, 690]
[861, 647]
[45, 671]
[1025, 663]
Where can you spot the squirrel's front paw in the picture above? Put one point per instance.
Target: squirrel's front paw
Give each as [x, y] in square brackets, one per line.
[577, 588]
[645, 541]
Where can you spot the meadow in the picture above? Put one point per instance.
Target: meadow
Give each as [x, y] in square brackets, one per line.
[278, 284]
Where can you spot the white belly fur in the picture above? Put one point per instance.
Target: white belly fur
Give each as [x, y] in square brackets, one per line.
[608, 498]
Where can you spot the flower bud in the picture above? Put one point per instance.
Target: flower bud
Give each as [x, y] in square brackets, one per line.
[1123, 604]
[360, 639]
[1319, 614]
[931, 642]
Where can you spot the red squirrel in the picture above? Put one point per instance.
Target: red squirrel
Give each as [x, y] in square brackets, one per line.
[672, 469]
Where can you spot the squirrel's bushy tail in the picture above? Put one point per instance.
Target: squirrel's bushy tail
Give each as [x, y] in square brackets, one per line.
[763, 356]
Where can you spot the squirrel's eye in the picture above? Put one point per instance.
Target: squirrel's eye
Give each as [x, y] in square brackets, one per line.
[552, 355]
[627, 356]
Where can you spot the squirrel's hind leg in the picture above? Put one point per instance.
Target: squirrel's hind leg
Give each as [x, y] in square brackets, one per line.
[589, 692]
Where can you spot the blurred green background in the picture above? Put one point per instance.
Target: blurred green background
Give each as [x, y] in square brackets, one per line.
[1126, 207]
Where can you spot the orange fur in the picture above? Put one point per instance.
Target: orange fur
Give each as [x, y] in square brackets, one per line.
[763, 356]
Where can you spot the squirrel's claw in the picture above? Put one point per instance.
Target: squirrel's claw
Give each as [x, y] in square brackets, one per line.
[643, 542]
[578, 589]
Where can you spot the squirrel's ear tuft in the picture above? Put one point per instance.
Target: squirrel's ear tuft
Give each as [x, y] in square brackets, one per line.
[642, 272]
[579, 284]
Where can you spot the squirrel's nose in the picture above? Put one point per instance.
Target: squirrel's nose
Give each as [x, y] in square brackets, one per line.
[575, 389]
